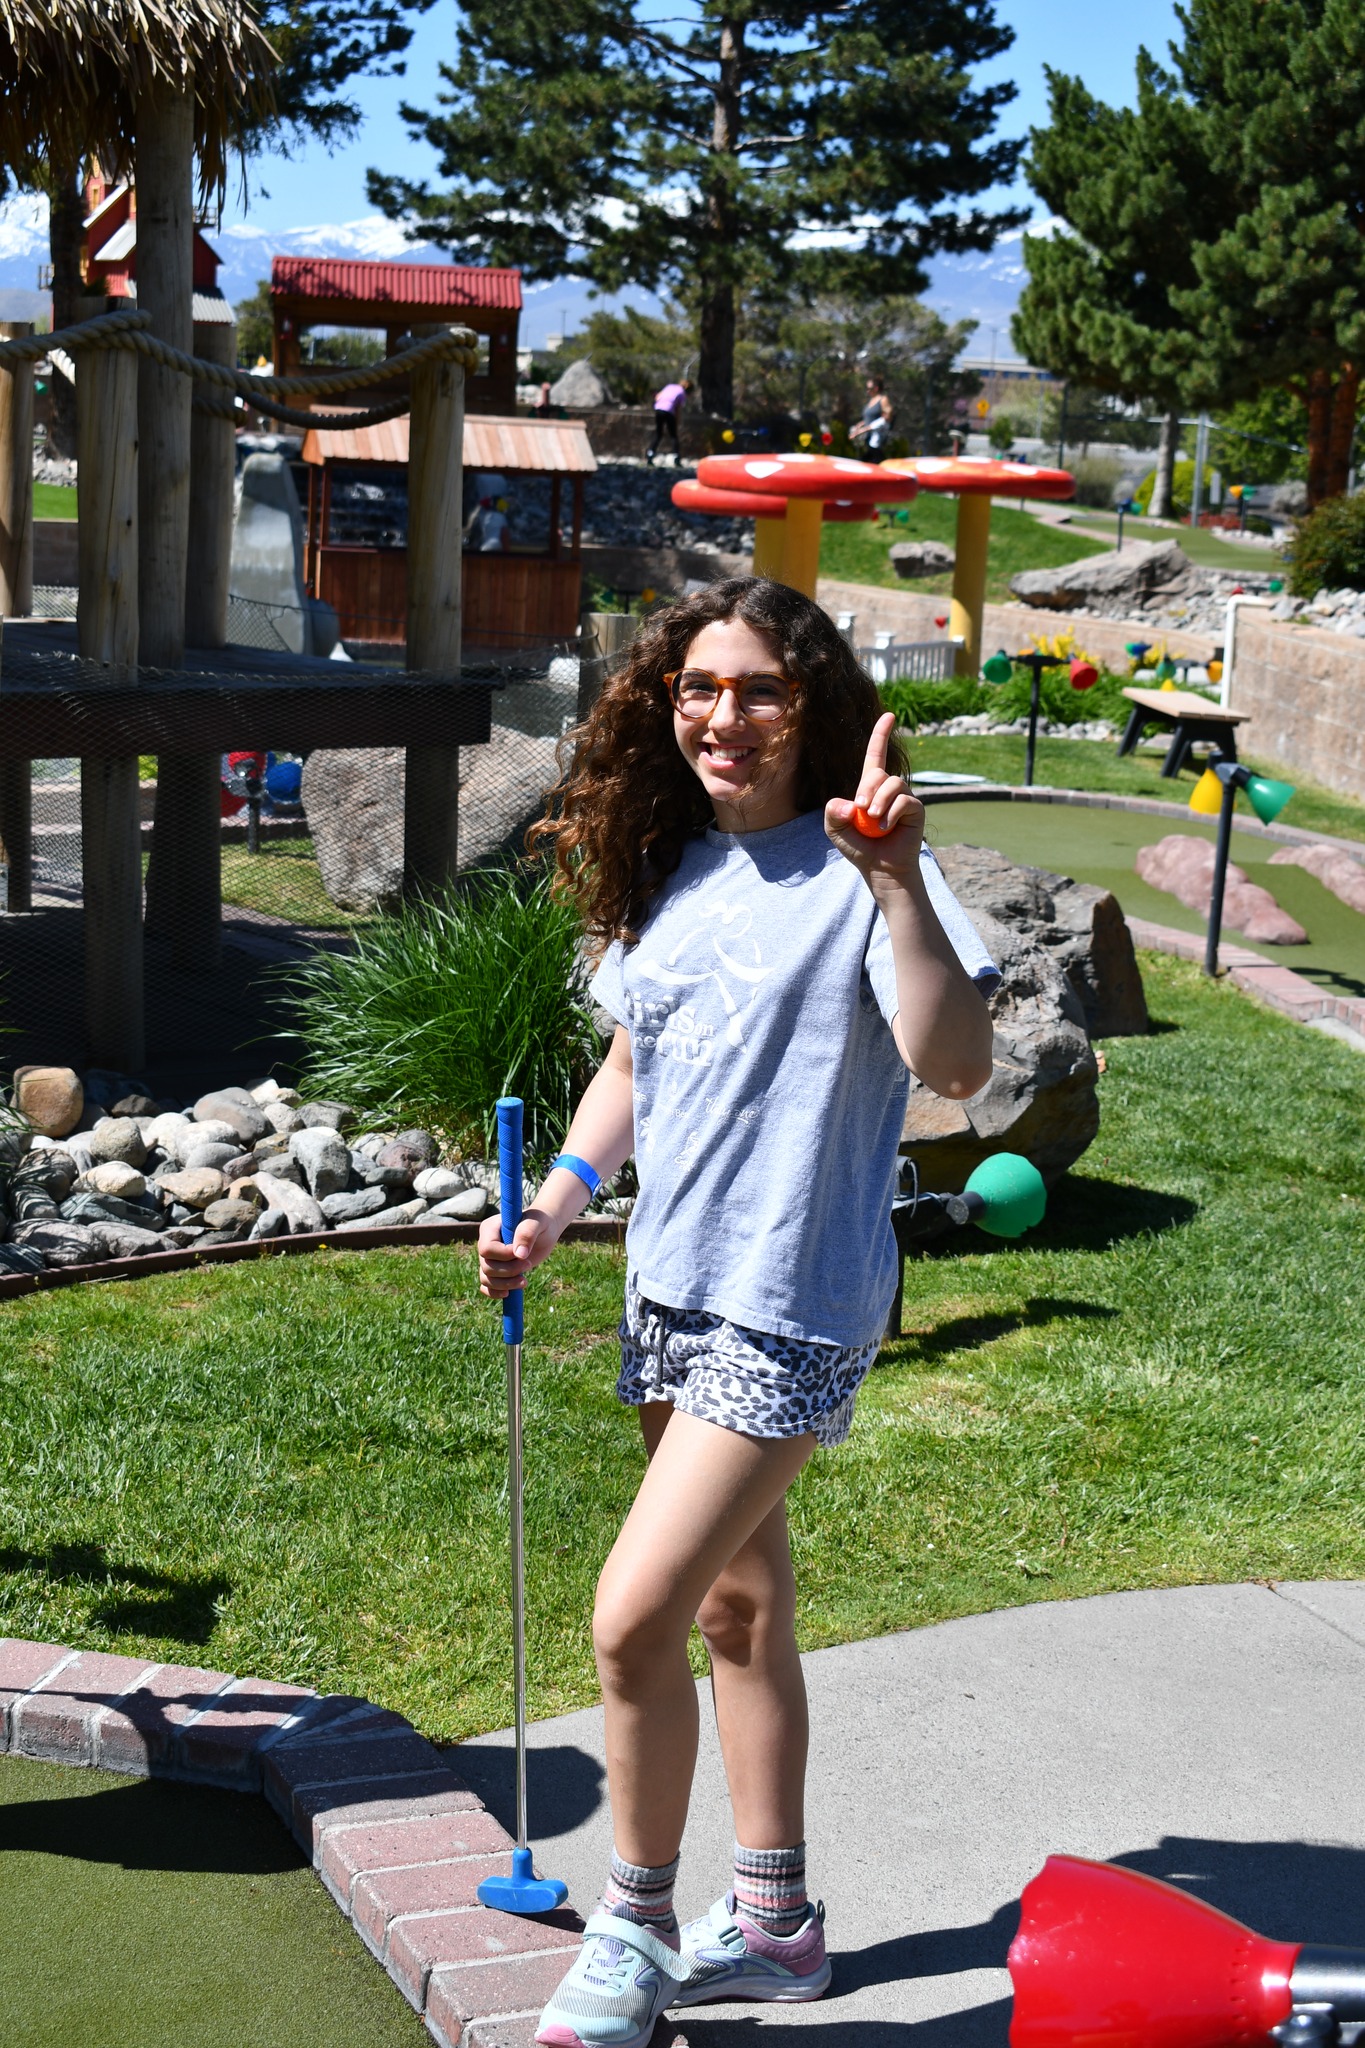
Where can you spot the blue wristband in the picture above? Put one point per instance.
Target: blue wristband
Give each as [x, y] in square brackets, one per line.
[591, 1179]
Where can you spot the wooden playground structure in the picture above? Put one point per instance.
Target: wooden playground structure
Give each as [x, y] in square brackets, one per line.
[157, 90]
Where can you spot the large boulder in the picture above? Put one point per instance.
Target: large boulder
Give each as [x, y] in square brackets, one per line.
[353, 798]
[1183, 866]
[1101, 580]
[1080, 926]
[580, 389]
[51, 1098]
[911, 558]
[1040, 1099]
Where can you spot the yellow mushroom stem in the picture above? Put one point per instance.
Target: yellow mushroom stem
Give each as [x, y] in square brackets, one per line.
[768, 548]
[801, 544]
[969, 579]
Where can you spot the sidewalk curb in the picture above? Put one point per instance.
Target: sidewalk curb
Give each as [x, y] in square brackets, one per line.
[396, 1838]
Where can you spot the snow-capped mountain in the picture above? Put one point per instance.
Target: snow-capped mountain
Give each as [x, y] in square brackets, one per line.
[984, 288]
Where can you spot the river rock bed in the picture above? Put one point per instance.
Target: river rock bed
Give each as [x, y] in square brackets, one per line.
[95, 1171]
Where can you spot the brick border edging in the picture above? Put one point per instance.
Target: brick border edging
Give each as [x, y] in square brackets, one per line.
[397, 1839]
[1279, 987]
[587, 1229]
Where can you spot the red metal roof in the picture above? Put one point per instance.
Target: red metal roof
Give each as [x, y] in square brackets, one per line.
[446, 286]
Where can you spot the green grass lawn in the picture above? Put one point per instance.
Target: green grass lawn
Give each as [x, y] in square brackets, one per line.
[164, 1914]
[859, 554]
[297, 1469]
[1091, 764]
[54, 501]
[1202, 544]
[282, 880]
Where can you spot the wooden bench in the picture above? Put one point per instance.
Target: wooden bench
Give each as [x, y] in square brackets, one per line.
[1187, 717]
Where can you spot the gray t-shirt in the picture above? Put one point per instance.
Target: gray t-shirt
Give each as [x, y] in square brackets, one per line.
[769, 1094]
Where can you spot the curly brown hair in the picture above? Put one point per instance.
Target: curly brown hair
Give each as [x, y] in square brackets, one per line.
[627, 801]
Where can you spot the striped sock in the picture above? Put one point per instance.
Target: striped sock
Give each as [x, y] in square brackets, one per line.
[770, 1888]
[644, 1894]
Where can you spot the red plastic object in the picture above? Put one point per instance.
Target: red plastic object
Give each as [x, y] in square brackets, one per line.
[870, 827]
[983, 476]
[806, 476]
[690, 496]
[1084, 675]
[940, 622]
[1106, 1958]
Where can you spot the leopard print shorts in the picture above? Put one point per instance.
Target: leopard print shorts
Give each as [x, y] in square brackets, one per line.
[745, 1380]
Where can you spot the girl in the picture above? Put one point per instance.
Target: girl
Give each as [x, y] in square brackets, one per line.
[773, 972]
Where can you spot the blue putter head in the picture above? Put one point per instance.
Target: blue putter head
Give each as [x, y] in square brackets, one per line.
[523, 1891]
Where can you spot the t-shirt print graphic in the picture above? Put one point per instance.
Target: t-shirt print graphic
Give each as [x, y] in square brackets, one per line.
[721, 952]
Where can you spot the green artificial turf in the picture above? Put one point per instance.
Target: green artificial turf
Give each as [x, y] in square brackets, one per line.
[297, 1468]
[162, 1914]
[1101, 847]
[54, 501]
[1094, 765]
[859, 554]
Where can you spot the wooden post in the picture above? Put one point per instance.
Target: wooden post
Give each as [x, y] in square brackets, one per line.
[184, 880]
[554, 517]
[164, 152]
[431, 811]
[106, 632]
[16, 594]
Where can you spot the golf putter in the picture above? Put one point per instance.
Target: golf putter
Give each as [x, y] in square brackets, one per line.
[523, 1891]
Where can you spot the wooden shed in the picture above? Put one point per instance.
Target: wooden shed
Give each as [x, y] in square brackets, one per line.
[399, 299]
[526, 596]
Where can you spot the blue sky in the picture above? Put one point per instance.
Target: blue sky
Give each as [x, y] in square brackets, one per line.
[1093, 37]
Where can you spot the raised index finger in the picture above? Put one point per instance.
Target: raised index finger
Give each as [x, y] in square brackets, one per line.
[874, 763]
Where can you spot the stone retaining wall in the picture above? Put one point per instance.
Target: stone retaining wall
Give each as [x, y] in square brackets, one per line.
[1305, 690]
[910, 615]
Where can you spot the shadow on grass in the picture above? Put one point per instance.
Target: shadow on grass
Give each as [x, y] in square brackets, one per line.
[183, 1609]
[1290, 1891]
[968, 1333]
[564, 1786]
[149, 1826]
[1088, 1214]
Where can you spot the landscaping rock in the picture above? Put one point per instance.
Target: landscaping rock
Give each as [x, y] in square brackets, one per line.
[163, 1133]
[580, 388]
[96, 1209]
[282, 1117]
[61, 1244]
[51, 1098]
[128, 1240]
[298, 1205]
[349, 1208]
[53, 1172]
[387, 1219]
[209, 1131]
[353, 798]
[371, 1145]
[327, 1116]
[271, 1223]
[234, 1235]
[1041, 1097]
[20, 1258]
[270, 1090]
[233, 1212]
[181, 1236]
[409, 1160]
[1129, 579]
[235, 1108]
[137, 1105]
[118, 1137]
[325, 1161]
[114, 1177]
[368, 1173]
[471, 1205]
[438, 1183]
[276, 1146]
[1183, 866]
[193, 1188]
[921, 558]
[1337, 871]
[246, 1191]
[1082, 927]
[29, 1204]
[196, 1156]
[421, 1142]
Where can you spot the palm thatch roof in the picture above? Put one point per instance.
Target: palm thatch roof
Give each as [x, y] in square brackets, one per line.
[72, 71]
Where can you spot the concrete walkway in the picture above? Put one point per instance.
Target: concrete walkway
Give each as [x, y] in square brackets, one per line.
[1211, 1735]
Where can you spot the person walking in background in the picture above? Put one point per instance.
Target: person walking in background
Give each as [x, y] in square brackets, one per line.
[874, 428]
[668, 403]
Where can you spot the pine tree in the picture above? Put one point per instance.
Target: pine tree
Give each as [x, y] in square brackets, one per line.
[1131, 185]
[786, 146]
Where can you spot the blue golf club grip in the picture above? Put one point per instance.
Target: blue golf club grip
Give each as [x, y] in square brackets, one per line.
[509, 1204]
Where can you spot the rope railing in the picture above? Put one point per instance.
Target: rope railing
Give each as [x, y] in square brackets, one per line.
[128, 330]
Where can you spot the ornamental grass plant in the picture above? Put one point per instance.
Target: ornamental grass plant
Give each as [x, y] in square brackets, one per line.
[459, 998]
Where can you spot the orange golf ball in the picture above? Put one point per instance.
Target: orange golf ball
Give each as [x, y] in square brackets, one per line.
[870, 827]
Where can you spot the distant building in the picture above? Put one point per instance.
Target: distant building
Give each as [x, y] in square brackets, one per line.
[1015, 388]
[398, 299]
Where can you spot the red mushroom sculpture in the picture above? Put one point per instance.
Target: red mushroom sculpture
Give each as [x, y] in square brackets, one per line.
[975, 480]
[767, 513]
[805, 483]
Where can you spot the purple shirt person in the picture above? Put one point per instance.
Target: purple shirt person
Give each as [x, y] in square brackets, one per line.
[668, 403]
